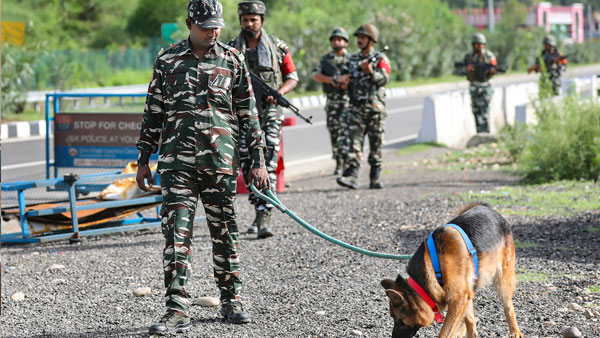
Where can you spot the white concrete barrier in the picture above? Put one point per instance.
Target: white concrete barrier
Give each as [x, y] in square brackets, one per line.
[517, 95]
[447, 119]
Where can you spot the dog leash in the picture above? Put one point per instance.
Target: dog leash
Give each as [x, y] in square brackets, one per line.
[271, 198]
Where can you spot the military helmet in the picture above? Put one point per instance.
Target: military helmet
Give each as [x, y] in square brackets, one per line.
[368, 30]
[207, 14]
[478, 38]
[252, 7]
[551, 40]
[340, 33]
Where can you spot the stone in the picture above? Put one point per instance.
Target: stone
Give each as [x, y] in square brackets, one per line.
[141, 292]
[56, 267]
[572, 332]
[207, 301]
[320, 313]
[356, 333]
[588, 313]
[550, 323]
[576, 307]
[17, 297]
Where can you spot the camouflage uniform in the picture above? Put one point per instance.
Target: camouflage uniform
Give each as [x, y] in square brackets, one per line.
[553, 69]
[336, 104]
[272, 62]
[480, 89]
[197, 110]
[366, 115]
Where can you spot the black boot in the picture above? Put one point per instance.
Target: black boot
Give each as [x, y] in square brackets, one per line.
[234, 313]
[339, 166]
[374, 177]
[264, 224]
[350, 178]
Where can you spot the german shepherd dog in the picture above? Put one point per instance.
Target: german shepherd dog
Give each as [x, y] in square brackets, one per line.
[413, 300]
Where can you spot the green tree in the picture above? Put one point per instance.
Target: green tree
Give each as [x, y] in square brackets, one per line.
[150, 14]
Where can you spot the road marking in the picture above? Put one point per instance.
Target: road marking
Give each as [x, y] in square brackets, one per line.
[22, 165]
[389, 112]
[328, 156]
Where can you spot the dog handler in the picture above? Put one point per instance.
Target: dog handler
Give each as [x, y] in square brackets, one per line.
[200, 103]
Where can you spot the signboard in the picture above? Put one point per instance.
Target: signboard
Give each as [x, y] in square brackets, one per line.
[13, 32]
[104, 140]
[167, 30]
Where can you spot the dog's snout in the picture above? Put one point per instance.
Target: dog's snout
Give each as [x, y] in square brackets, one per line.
[402, 331]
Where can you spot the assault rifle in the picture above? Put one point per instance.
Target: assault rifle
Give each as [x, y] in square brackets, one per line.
[263, 90]
[556, 60]
[480, 67]
[329, 69]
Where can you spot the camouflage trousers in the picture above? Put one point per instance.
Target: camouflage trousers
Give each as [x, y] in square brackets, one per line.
[334, 110]
[551, 80]
[180, 191]
[272, 129]
[365, 120]
[481, 96]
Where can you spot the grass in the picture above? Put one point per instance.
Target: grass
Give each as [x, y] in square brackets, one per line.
[562, 198]
[526, 276]
[524, 245]
[27, 115]
[487, 157]
[595, 288]
[418, 147]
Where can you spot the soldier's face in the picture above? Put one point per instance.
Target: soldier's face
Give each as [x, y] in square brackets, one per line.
[251, 24]
[338, 43]
[202, 38]
[477, 47]
[547, 47]
[362, 41]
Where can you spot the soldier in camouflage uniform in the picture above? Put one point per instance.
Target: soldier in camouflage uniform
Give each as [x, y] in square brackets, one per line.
[270, 59]
[479, 86]
[199, 104]
[366, 116]
[554, 62]
[337, 94]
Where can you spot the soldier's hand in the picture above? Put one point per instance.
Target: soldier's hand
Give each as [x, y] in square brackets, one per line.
[533, 68]
[365, 65]
[143, 173]
[344, 79]
[469, 67]
[493, 70]
[271, 100]
[260, 178]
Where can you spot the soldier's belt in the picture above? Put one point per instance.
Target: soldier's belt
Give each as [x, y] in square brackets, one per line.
[481, 84]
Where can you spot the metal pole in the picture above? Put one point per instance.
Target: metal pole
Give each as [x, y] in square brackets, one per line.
[591, 26]
[491, 16]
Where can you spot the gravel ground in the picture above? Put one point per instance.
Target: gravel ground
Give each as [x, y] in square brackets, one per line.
[298, 285]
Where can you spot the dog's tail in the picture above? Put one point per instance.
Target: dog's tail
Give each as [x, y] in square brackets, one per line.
[464, 208]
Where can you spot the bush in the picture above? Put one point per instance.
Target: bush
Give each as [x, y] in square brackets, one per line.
[565, 144]
[16, 75]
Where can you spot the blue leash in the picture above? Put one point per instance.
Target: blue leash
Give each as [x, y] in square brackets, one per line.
[273, 200]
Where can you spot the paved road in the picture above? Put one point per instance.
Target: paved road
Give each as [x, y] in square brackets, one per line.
[23, 160]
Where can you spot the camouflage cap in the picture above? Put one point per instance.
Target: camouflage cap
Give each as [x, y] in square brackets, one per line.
[549, 39]
[252, 7]
[368, 30]
[478, 38]
[340, 33]
[207, 14]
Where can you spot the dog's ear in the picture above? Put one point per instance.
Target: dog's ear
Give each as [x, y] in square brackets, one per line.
[394, 296]
[387, 283]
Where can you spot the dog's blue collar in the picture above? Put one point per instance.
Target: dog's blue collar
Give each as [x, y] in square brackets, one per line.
[434, 257]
